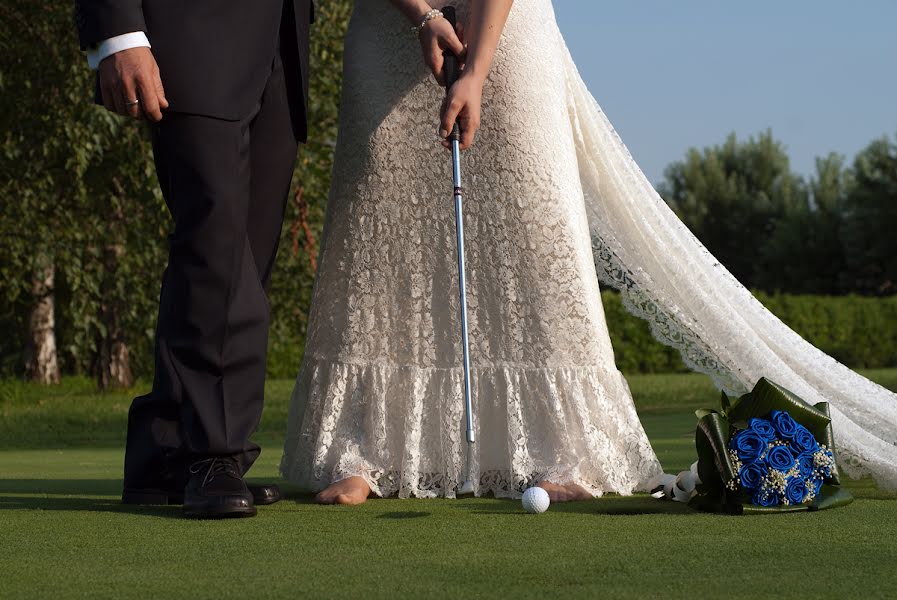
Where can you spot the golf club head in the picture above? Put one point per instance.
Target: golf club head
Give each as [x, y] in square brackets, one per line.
[465, 489]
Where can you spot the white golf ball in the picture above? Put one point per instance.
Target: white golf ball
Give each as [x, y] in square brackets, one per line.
[535, 500]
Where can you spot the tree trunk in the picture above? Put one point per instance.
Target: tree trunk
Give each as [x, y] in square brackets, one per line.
[42, 364]
[113, 354]
[302, 222]
[114, 369]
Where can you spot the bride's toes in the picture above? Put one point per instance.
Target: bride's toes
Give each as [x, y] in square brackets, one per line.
[353, 490]
[350, 499]
[325, 497]
[577, 493]
[556, 493]
[565, 493]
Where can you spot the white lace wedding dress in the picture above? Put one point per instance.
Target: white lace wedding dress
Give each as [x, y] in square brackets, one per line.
[553, 203]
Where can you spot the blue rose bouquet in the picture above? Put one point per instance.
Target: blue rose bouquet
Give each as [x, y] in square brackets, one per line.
[779, 461]
[767, 451]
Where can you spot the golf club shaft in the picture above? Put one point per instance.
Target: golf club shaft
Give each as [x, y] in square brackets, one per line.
[462, 284]
[451, 75]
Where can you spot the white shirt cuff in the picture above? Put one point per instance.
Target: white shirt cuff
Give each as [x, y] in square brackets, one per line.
[125, 41]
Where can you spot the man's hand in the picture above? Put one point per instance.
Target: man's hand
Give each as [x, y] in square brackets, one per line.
[462, 103]
[131, 86]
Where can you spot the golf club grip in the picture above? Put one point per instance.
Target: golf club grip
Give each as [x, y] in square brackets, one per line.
[450, 64]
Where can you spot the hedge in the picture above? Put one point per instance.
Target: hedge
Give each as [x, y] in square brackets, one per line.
[859, 331]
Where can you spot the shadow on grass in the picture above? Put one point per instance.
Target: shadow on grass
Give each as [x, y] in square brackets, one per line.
[70, 503]
[62, 487]
[406, 514]
[643, 504]
[78, 494]
[291, 493]
[74, 495]
[606, 505]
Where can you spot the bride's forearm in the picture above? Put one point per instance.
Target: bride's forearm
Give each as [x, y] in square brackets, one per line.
[484, 26]
[414, 10]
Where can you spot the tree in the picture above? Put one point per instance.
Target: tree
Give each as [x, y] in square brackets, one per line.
[871, 221]
[85, 210]
[35, 161]
[804, 253]
[731, 197]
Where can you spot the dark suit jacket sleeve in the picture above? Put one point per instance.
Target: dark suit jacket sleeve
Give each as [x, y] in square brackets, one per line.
[99, 20]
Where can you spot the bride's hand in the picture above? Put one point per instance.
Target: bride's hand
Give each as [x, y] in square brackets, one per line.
[436, 37]
[462, 103]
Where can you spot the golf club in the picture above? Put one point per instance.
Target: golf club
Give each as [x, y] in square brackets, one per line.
[450, 70]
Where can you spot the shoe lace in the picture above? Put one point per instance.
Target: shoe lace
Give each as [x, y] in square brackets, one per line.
[215, 466]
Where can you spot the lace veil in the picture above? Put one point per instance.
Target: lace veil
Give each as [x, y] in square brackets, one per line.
[667, 277]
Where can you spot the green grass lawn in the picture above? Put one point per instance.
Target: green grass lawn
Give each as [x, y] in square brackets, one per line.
[64, 534]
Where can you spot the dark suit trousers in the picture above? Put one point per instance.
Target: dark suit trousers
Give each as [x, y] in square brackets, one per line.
[226, 184]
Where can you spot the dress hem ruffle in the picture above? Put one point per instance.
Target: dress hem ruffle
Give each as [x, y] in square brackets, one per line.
[400, 429]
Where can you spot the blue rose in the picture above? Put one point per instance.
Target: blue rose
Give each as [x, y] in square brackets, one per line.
[763, 428]
[780, 458]
[762, 498]
[751, 475]
[806, 464]
[784, 424]
[748, 444]
[796, 490]
[803, 440]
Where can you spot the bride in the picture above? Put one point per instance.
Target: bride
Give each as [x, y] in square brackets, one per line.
[554, 203]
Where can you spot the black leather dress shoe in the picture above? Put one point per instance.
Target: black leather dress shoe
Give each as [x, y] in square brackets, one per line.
[262, 494]
[216, 490]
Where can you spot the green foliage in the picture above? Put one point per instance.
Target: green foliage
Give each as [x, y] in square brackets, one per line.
[857, 331]
[870, 231]
[730, 196]
[79, 192]
[773, 230]
[804, 253]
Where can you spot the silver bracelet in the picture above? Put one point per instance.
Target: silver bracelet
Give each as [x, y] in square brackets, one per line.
[433, 13]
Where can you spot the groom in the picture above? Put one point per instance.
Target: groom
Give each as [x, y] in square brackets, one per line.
[224, 84]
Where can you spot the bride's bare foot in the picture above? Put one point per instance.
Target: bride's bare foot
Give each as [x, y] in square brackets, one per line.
[352, 490]
[565, 493]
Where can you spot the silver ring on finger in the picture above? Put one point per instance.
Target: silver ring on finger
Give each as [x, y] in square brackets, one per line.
[130, 103]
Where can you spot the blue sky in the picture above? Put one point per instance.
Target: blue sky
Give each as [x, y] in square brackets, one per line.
[672, 74]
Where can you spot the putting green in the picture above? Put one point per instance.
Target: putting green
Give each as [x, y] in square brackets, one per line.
[65, 535]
